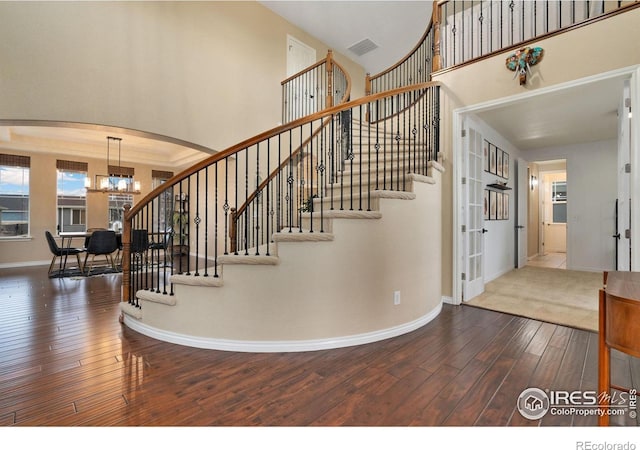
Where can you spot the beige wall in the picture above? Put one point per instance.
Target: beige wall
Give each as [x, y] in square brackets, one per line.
[606, 45]
[351, 294]
[43, 207]
[204, 72]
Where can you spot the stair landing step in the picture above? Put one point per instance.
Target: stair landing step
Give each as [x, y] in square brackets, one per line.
[131, 310]
[156, 297]
[295, 235]
[345, 214]
[199, 280]
[257, 260]
[379, 193]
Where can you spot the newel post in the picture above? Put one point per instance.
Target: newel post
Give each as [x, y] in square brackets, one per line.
[435, 23]
[367, 84]
[329, 79]
[126, 255]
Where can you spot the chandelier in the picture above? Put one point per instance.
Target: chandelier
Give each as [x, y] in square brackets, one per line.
[119, 179]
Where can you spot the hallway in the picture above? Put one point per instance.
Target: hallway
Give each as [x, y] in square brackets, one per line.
[565, 297]
[549, 260]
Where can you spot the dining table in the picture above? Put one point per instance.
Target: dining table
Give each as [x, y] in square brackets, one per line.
[67, 237]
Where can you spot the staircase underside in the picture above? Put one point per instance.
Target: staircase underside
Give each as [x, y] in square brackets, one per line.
[315, 290]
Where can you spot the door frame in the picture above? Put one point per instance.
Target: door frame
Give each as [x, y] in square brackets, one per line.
[544, 188]
[458, 117]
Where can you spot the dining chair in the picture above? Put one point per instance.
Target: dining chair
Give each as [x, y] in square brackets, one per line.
[90, 231]
[102, 243]
[62, 253]
[163, 244]
[139, 246]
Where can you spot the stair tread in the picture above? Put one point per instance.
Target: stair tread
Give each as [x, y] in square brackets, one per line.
[252, 259]
[295, 235]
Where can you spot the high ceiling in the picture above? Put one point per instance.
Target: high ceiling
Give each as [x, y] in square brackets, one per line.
[394, 26]
[574, 115]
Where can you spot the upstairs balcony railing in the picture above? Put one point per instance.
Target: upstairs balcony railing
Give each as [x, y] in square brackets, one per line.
[233, 202]
[315, 88]
[472, 29]
[415, 67]
[461, 32]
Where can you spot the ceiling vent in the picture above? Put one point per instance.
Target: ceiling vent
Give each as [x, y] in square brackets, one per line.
[362, 47]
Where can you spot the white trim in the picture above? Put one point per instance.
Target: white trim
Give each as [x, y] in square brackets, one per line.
[517, 98]
[458, 117]
[458, 264]
[634, 91]
[448, 300]
[10, 265]
[280, 346]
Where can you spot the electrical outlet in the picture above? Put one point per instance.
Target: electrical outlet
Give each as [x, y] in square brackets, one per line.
[396, 298]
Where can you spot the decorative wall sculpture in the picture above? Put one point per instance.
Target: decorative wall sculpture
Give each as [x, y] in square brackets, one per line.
[521, 61]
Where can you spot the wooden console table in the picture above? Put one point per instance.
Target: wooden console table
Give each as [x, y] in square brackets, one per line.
[619, 326]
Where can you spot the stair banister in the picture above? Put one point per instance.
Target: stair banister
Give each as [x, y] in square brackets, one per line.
[321, 76]
[329, 157]
[417, 64]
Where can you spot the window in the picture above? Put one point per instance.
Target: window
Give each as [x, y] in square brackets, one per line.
[162, 207]
[14, 195]
[72, 196]
[116, 210]
[559, 201]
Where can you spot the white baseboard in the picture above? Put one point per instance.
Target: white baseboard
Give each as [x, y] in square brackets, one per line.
[24, 264]
[448, 300]
[279, 346]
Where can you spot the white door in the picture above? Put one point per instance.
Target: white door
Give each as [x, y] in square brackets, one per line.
[303, 93]
[554, 212]
[623, 225]
[299, 56]
[522, 216]
[474, 231]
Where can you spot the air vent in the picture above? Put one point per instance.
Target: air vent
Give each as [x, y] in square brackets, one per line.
[362, 47]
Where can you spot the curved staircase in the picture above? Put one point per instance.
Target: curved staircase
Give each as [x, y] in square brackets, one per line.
[359, 262]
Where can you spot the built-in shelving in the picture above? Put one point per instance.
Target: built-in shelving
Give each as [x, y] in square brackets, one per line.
[499, 186]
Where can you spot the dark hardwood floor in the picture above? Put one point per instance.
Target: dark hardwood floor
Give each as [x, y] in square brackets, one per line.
[66, 360]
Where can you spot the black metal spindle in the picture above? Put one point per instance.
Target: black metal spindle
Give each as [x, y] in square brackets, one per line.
[522, 6]
[206, 221]
[267, 211]
[216, 225]
[490, 26]
[237, 232]
[471, 30]
[196, 221]
[226, 206]
[290, 180]
[511, 21]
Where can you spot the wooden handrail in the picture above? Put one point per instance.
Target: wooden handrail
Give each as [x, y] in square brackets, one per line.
[217, 222]
[231, 151]
[411, 52]
[330, 62]
[327, 72]
[284, 164]
[303, 71]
